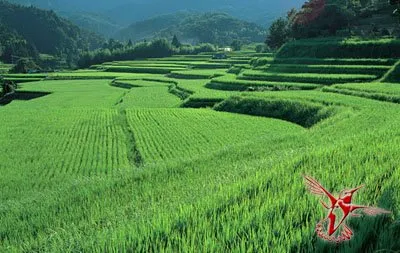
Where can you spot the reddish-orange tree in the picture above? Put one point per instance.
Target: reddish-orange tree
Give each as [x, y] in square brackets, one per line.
[310, 11]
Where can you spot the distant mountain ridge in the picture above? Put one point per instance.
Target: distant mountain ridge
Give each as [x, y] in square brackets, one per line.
[126, 12]
[190, 27]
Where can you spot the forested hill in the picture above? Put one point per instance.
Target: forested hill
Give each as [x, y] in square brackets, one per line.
[216, 28]
[105, 16]
[41, 30]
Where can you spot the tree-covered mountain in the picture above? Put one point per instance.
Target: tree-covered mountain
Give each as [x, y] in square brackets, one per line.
[125, 12]
[95, 22]
[43, 31]
[216, 28]
[12, 44]
[150, 27]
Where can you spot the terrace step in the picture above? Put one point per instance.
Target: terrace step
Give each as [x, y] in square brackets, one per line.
[326, 79]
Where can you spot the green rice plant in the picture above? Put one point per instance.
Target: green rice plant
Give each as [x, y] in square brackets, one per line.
[91, 168]
[326, 79]
[229, 82]
[393, 75]
[341, 48]
[377, 70]
[184, 132]
[387, 97]
[72, 94]
[243, 58]
[334, 61]
[184, 59]
[150, 95]
[22, 79]
[231, 61]
[150, 70]
[210, 65]
[98, 75]
[196, 74]
[26, 75]
[388, 88]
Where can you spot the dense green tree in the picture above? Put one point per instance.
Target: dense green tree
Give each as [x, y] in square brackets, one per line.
[175, 42]
[6, 87]
[130, 43]
[25, 65]
[279, 33]
[317, 18]
[237, 45]
[155, 49]
[13, 46]
[260, 48]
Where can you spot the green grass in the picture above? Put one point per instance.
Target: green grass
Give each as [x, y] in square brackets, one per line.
[305, 77]
[96, 168]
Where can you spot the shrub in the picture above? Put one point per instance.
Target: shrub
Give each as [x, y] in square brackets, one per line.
[25, 66]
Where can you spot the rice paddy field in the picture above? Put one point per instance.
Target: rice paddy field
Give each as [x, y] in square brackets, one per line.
[183, 154]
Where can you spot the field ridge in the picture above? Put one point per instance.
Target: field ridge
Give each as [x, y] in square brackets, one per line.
[134, 156]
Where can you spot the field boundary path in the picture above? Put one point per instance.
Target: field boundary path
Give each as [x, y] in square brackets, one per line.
[134, 156]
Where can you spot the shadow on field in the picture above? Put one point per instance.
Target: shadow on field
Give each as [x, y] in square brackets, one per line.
[22, 95]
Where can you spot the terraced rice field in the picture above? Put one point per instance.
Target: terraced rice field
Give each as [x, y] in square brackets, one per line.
[198, 159]
[4, 68]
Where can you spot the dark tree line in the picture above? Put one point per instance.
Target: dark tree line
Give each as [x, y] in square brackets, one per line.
[117, 51]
